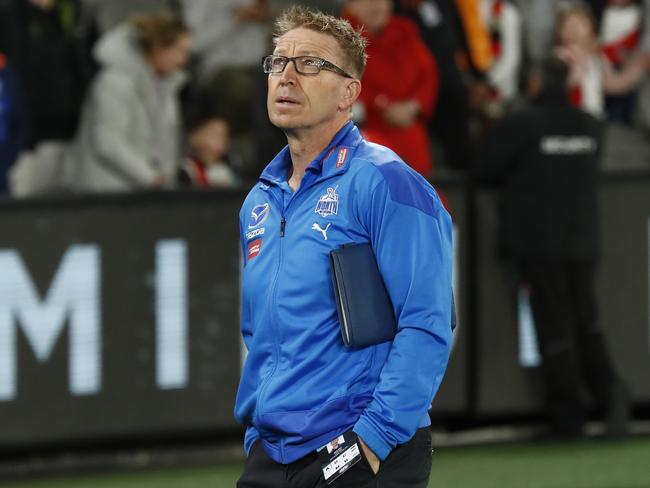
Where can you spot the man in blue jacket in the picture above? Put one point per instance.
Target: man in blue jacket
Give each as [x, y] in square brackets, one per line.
[318, 413]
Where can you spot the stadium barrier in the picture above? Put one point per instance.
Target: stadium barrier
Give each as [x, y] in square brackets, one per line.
[119, 314]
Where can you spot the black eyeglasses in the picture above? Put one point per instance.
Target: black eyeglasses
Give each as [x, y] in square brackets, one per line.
[305, 65]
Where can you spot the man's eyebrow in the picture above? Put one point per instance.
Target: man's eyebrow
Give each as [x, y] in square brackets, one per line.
[303, 51]
[300, 53]
[309, 52]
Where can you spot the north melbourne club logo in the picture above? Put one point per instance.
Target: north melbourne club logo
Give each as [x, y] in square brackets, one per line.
[328, 204]
[259, 215]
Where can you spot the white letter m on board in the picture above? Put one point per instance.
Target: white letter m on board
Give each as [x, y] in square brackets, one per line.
[74, 295]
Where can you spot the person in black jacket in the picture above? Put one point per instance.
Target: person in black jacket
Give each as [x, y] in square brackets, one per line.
[546, 158]
[49, 44]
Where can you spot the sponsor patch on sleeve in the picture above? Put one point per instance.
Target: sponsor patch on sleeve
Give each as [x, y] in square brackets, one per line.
[254, 248]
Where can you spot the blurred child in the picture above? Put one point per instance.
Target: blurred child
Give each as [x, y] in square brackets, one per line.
[592, 75]
[207, 162]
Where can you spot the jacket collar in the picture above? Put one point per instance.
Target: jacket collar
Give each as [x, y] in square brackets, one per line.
[333, 160]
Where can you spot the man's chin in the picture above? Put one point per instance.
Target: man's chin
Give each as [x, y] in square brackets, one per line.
[284, 123]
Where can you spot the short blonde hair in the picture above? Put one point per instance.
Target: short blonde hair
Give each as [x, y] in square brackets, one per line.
[578, 10]
[352, 43]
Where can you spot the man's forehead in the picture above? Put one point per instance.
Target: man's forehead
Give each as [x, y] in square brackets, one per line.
[307, 41]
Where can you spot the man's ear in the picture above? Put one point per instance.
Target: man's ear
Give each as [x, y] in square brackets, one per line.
[350, 95]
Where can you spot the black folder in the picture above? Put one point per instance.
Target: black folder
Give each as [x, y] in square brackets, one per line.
[365, 311]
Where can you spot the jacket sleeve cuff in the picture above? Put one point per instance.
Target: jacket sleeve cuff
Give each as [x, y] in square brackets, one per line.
[249, 439]
[372, 439]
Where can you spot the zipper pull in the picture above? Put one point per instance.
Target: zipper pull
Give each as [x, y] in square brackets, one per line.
[283, 223]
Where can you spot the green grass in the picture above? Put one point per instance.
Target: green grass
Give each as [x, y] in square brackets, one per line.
[570, 465]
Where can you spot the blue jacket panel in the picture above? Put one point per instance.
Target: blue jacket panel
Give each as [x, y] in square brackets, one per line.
[300, 385]
[13, 124]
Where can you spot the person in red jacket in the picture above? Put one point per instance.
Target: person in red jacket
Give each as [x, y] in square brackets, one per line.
[400, 84]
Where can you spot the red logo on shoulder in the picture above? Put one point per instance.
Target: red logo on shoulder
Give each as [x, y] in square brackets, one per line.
[343, 154]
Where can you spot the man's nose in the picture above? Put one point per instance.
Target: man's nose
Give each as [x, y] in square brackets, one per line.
[289, 74]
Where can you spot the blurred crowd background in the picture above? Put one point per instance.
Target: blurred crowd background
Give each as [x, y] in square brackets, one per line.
[127, 95]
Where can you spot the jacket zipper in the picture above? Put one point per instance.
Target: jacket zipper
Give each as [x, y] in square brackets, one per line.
[273, 293]
[271, 301]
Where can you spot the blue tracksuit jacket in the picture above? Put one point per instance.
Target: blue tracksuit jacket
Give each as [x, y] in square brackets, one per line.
[300, 385]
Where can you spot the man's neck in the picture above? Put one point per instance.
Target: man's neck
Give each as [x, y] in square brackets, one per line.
[304, 146]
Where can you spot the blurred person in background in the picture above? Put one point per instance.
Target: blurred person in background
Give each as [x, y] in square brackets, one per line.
[475, 55]
[597, 7]
[546, 159]
[475, 60]
[643, 102]
[207, 162]
[592, 74]
[130, 133]
[645, 34]
[621, 29]
[539, 19]
[494, 86]
[49, 44]
[108, 14]
[13, 123]
[451, 123]
[620, 36]
[230, 38]
[233, 35]
[400, 84]
[504, 23]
